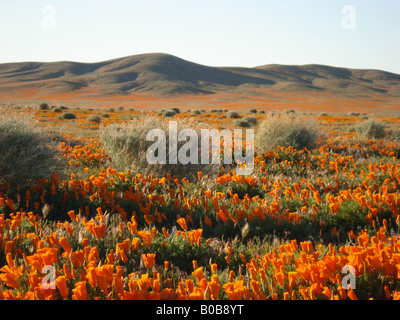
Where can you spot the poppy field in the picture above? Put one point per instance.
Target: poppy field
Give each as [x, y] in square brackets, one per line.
[312, 210]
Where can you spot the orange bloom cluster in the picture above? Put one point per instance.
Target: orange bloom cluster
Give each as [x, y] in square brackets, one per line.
[85, 152]
[291, 271]
[114, 227]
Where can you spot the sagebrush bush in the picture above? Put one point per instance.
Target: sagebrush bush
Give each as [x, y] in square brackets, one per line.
[94, 118]
[67, 116]
[286, 130]
[127, 146]
[233, 115]
[395, 134]
[168, 113]
[371, 129]
[242, 123]
[251, 119]
[26, 151]
[44, 106]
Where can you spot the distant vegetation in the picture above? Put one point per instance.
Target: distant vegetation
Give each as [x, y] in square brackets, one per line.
[94, 118]
[67, 116]
[233, 115]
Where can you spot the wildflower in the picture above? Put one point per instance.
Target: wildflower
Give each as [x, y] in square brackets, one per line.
[149, 260]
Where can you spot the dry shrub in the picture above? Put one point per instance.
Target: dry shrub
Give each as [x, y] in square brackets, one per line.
[168, 113]
[67, 116]
[371, 129]
[44, 106]
[233, 115]
[27, 152]
[242, 123]
[287, 130]
[94, 118]
[251, 119]
[126, 144]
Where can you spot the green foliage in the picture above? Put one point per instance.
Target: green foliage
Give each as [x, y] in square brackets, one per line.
[66, 116]
[233, 115]
[242, 123]
[168, 113]
[44, 106]
[350, 216]
[182, 253]
[251, 119]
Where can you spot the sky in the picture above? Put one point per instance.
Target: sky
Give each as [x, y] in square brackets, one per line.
[362, 34]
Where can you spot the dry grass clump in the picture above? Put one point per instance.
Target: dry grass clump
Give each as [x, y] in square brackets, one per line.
[371, 129]
[287, 130]
[127, 146]
[252, 120]
[27, 152]
[94, 118]
[354, 114]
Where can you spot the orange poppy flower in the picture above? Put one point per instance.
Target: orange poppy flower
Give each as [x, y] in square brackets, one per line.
[64, 243]
[182, 223]
[149, 260]
[79, 291]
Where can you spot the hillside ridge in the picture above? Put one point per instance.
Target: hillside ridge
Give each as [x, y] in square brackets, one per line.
[160, 74]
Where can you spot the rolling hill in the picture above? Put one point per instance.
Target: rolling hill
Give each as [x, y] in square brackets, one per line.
[163, 75]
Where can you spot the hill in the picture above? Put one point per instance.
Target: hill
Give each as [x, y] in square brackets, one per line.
[162, 75]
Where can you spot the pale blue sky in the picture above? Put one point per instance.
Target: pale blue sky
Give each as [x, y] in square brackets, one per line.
[213, 32]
